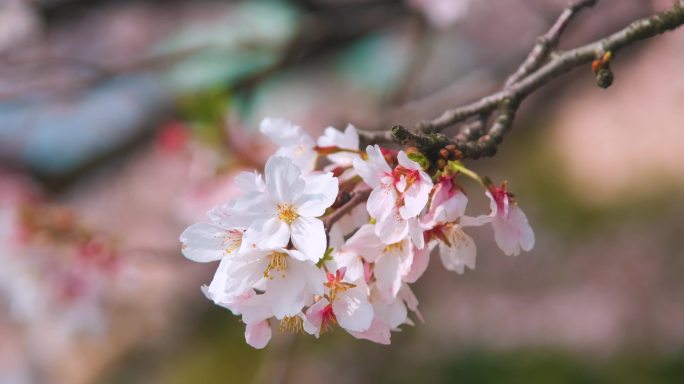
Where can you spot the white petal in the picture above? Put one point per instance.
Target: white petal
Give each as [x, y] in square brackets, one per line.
[250, 182]
[286, 294]
[365, 243]
[391, 228]
[352, 309]
[372, 170]
[320, 193]
[258, 334]
[308, 235]
[283, 180]
[405, 162]
[203, 242]
[381, 200]
[265, 234]
[281, 131]
[415, 199]
[416, 233]
[216, 291]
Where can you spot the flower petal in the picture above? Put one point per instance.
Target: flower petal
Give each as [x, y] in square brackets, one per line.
[388, 276]
[382, 199]
[352, 309]
[391, 228]
[308, 235]
[258, 334]
[379, 332]
[365, 243]
[203, 242]
[462, 252]
[321, 192]
[283, 180]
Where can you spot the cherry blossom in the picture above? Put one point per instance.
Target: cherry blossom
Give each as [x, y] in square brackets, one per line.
[398, 194]
[315, 245]
[289, 208]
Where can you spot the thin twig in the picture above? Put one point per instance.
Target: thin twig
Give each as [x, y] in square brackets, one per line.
[548, 41]
[357, 198]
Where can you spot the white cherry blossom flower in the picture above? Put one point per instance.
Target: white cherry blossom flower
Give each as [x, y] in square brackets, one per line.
[398, 195]
[290, 207]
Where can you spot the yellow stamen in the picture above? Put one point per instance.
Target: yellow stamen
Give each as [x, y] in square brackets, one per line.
[337, 287]
[277, 262]
[392, 247]
[287, 213]
[293, 324]
[232, 241]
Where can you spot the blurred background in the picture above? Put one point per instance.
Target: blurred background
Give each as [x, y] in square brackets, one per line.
[123, 121]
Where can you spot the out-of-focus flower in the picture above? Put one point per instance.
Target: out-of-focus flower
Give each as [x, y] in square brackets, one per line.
[442, 13]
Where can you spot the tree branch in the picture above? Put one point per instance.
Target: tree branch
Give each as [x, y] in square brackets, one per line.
[527, 79]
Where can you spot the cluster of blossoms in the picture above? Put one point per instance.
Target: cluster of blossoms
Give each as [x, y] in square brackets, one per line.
[54, 269]
[301, 248]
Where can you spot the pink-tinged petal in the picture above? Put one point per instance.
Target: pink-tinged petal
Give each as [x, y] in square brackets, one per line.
[373, 169]
[462, 252]
[379, 332]
[283, 180]
[415, 199]
[351, 262]
[320, 193]
[421, 259]
[410, 300]
[381, 200]
[519, 220]
[397, 313]
[365, 243]
[514, 233]
[391, 228]
[352, 309]
[388, 276]
[271, 233]
[308, 236]
[314, 317]
[203, 242]
[447, 204]
[258, 334]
